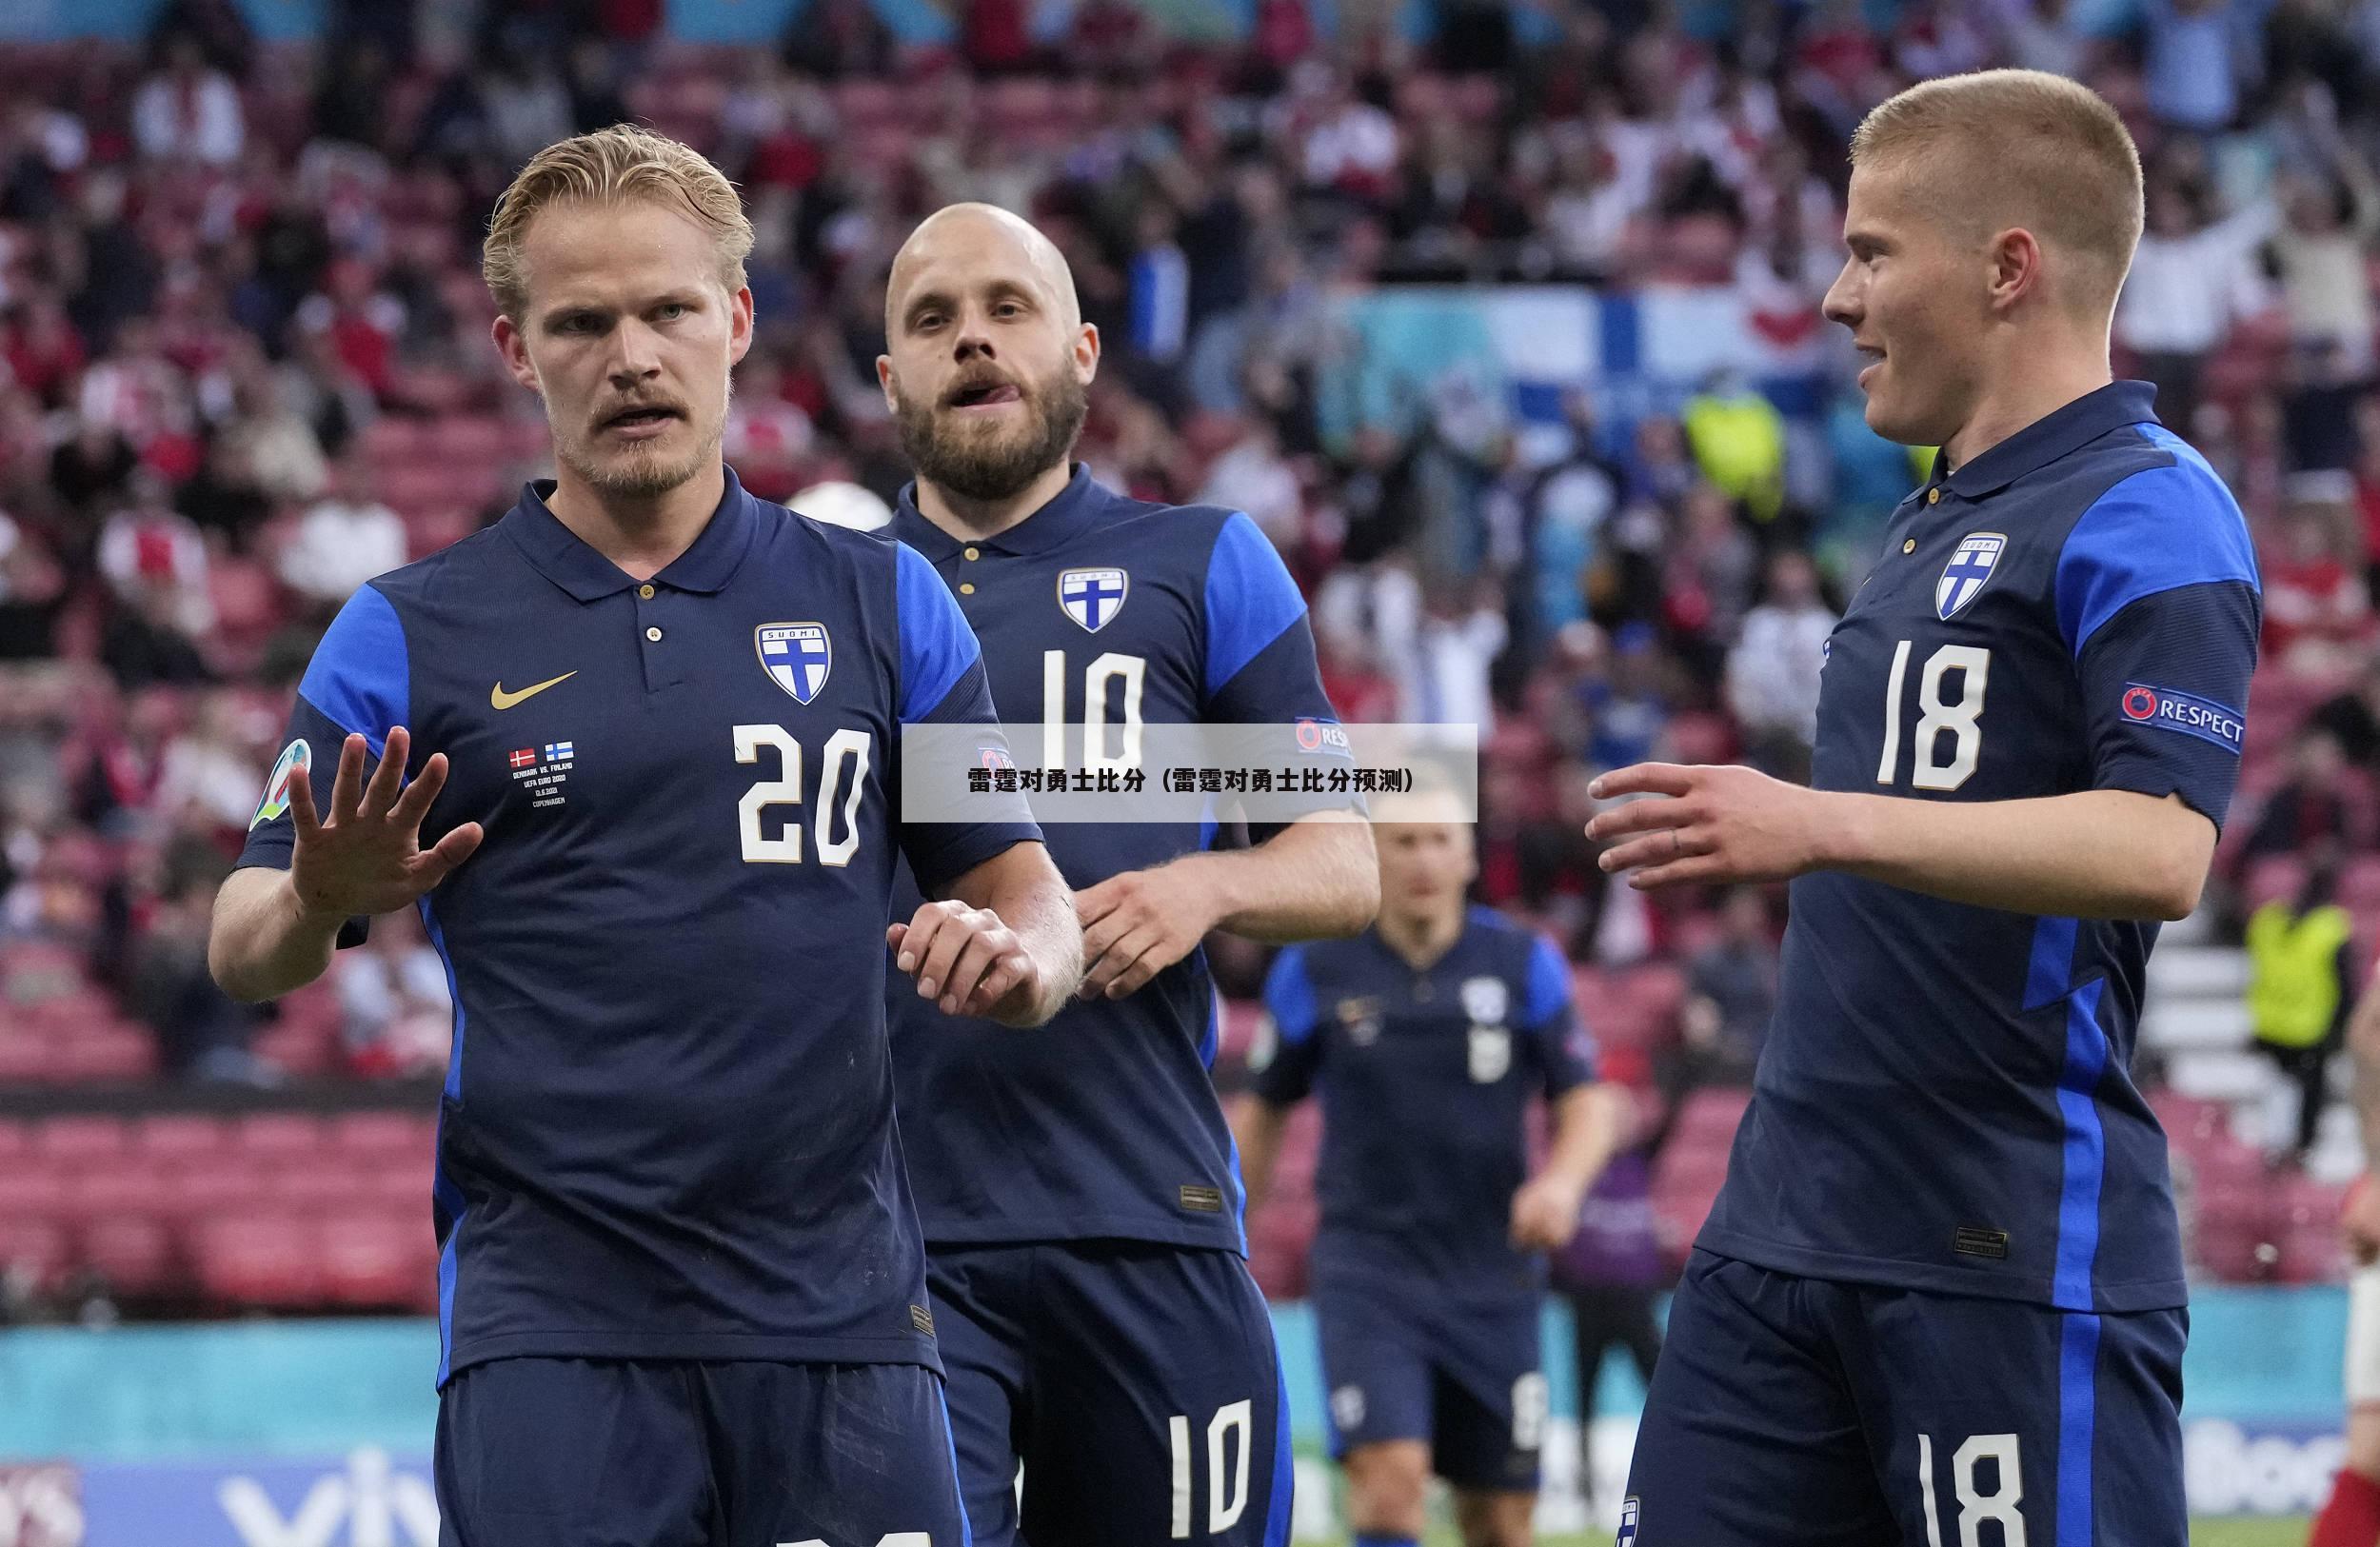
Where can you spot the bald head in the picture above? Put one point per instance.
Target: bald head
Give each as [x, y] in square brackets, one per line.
[959, 246]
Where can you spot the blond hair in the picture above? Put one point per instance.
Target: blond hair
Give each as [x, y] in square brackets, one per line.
[606, 165]
[2021, 148]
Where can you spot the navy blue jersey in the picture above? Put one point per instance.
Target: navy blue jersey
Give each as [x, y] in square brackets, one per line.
[1945, 1100]
[666, 1131]
[1425, 1078]
[1104, 1122]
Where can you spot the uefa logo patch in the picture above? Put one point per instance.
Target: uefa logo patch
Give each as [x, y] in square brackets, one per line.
[796, 656]
[1964, 577]
[1092, 597]
[296, 761]
[2169, 708]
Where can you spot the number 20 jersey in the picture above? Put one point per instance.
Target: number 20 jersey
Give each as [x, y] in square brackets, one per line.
[1945, 1100]
[667, 1127]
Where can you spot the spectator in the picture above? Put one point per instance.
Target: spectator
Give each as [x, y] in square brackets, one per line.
[1730, 993]
[189, 111]
[2309, 809]
[2317, 611]
[1772, 671]
[396, 1016]
[1253, 477]
[2301, 956]
[2192, 282]
[149, 552]
[2192, 63]
[1564, 513]
[343, 541]
[202, 1033]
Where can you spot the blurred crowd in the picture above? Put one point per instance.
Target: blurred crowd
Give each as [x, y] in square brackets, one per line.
[243, 368]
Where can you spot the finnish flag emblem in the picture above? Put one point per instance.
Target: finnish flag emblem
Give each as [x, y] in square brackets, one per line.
[1092, 597]
[796, 656]
[1965, 575]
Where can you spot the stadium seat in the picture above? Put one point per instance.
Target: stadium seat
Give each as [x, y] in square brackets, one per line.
[35, 1250]
[278, 1136]
[109, 1056]
[380, 1135]
[376, 1260]
[80, 1140]
[133, 1253]
[266, 1259]
[178, 1139]
[32, 1190]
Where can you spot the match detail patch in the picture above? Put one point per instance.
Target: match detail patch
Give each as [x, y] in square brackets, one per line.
[2171, 710]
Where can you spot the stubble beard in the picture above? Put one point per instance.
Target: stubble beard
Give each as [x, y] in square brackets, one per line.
[988, 467]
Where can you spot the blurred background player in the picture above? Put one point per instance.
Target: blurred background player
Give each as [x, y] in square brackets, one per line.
[2352, 1516]
[683, 1294]
[1941, 1290]
[1077, 1189]
[1427, 1036]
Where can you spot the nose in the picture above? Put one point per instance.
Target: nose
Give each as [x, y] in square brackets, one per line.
[972, 337]
[1843, 304]
[636, 359]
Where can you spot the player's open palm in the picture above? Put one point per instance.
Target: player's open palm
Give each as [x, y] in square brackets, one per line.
[1135, 925]
[1706, 824]
[367, 857]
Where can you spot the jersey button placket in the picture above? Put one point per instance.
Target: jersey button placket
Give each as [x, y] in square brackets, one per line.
[661, 667]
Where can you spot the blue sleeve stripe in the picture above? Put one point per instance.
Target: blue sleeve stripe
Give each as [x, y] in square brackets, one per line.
[937, 647]
[2159, 530]
[1250, 598]
[1549, 982]
[360, 677]
[1289, 997]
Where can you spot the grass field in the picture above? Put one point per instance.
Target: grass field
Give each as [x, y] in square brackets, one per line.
[2205, 1533]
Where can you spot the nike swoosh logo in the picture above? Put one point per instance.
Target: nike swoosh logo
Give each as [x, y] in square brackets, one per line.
[499, 699]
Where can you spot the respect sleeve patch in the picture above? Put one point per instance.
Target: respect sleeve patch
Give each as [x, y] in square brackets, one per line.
[2169, 708]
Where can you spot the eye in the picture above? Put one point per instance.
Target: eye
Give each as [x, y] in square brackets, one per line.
[1009, 308]
[670, 312]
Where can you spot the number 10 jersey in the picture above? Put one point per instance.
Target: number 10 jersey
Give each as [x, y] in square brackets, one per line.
[1945, 1102]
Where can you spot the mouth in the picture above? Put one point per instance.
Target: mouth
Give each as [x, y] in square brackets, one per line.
[984, 395]
[1873, 355]
[640, 422]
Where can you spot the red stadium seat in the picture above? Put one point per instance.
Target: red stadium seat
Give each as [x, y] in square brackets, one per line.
[135, 1253]
[208, 1188]
[113, 1055]
[15, 1142]
[32, 1190]
[380, 1135]
[78, 1141]
[326, 1185]
[377, 1260]
[279, 1136]
[179, 1137]
[272, 1261]
[36, 1250]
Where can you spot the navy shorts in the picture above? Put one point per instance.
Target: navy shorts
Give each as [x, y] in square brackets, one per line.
[1136, 1383]
[1463, 1376]
[1791, 1412]
[613, 1452]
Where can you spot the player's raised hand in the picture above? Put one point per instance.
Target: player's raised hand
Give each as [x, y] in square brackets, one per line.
[966, 960]
[1706, 824]
[1137, 925]
[1545, 1213]
[2359, 1221]
[367, 857]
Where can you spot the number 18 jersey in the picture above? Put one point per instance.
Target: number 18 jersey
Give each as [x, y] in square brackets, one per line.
[1945, 1102]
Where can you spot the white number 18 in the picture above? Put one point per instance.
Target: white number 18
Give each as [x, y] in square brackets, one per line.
[1958, 720]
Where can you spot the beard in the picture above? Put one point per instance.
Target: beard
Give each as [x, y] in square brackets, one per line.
[641, 470]
[988, 464]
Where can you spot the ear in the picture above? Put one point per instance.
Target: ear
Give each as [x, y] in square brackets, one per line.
[885, 383]
[739, 326]
[2017, 270]
[514, 346]
[1086, 353]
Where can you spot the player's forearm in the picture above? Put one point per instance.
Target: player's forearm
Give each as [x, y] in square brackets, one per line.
[1317, 879]
[262, 942]
[1255, 1127]
[2097, 854]
[1043, 915]
[1587, 1124]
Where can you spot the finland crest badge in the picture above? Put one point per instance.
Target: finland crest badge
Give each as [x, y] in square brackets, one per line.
[1092, 597]
[796, 656]
[1964, 576]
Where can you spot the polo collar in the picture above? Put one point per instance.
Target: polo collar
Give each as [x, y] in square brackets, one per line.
[2046, 439]
[567, 559]
[1074, 508]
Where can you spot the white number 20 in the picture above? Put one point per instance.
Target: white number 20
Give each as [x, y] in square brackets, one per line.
[1975, 1506]
[1226, 1494]
[843, 771]
[1956, 720]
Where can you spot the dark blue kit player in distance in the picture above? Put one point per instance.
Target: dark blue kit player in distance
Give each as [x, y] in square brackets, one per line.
[1081, 1201]
[1940, 1297]
[1427, 1038]
[652, 730]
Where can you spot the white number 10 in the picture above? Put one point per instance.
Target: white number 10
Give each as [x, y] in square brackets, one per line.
[1226, 1493]
[1927, 770]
